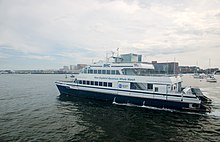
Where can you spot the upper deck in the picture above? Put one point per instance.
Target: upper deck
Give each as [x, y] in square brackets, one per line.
[131, 69]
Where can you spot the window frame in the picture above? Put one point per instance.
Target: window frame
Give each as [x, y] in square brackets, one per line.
[150, 86]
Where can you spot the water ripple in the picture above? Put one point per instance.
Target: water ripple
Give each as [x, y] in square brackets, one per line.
[31, 111]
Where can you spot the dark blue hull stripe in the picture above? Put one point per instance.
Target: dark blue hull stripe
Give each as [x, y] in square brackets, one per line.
[124, 99]
[132, 91]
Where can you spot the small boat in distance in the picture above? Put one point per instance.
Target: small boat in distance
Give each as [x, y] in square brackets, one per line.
[217, 72]
[129, 81]
[211, 78]
[199, 76]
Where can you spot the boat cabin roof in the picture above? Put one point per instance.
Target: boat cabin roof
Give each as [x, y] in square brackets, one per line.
[121, 66]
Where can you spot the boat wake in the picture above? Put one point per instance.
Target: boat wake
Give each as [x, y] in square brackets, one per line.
[215, 114]
[159, 109]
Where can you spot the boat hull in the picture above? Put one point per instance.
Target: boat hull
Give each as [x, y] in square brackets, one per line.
[120, 99]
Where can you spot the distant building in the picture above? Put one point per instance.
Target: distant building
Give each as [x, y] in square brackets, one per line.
[190, 69]
[72, 67]
[166, 68]
[80, 66]
[66, 68]
[211, 70]
[131, 58]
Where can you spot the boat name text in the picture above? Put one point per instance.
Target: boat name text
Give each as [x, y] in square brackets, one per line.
[112, 78]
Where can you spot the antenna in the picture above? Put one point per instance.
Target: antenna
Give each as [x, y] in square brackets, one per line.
[209, 66]
[174, 66]
[209, 62]
[112, 53]
[117, 52]
[106, 57]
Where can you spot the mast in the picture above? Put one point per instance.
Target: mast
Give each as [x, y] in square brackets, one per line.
[209, 66]
[174, 67]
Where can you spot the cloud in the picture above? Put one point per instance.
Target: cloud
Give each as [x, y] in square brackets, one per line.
[80, 31]
[39, 57]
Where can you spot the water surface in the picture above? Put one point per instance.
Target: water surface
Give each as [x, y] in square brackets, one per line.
[31, 110]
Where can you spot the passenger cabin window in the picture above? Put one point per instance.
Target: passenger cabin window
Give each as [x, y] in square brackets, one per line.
[105, 84]
[87, 82]
[156, 89]
[85, 71]
[138, 86]
[137, 71]
[99, 71]
[117, 72]
[90, 71]
[112, 71]
[96, 83]
[95, 71]
[103, 71]
[92, 82]
[108, 71]
[109, 84]
[149, 86]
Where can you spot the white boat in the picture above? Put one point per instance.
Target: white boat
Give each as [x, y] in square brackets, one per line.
[134, 84]
[199, 76]
[217, 72]
[211, 78]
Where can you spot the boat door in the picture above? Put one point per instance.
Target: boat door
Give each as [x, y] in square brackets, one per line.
[123, 88]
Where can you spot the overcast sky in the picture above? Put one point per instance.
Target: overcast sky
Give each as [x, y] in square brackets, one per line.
[47, 34]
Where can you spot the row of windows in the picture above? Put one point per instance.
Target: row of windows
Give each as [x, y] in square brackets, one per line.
[96, 83]
[90, 71]
[133, 85]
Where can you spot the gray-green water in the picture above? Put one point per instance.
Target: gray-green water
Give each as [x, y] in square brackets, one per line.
[30, 110]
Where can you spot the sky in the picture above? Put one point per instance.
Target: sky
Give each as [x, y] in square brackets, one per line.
[48, 34]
